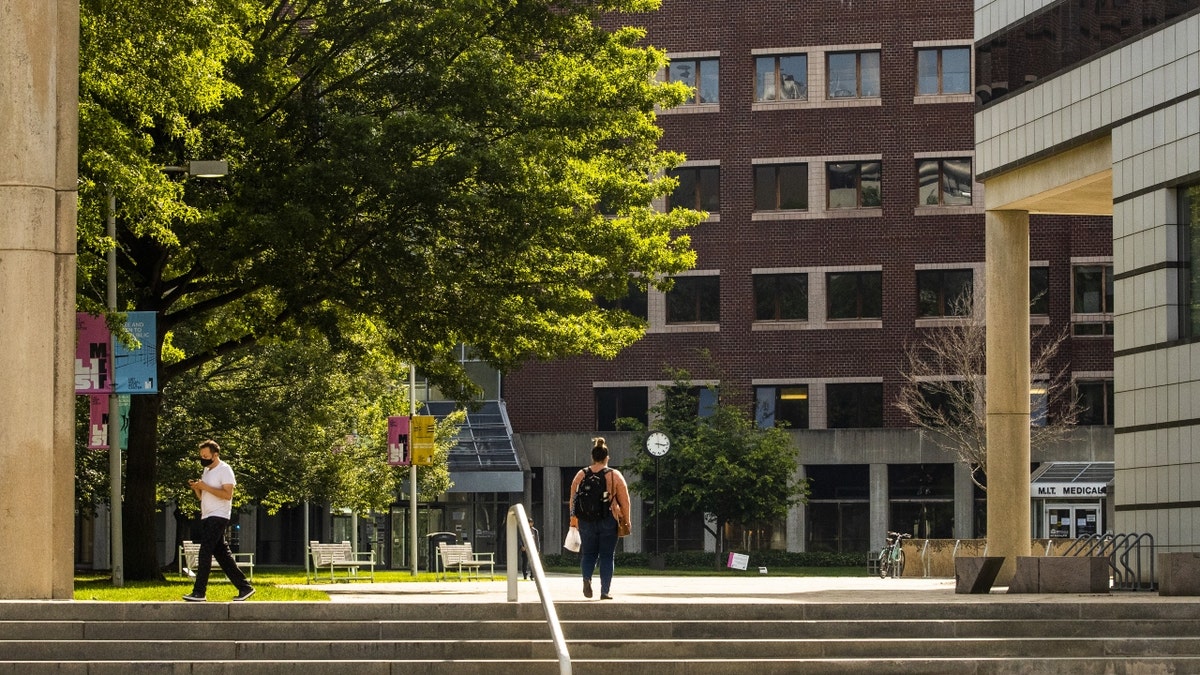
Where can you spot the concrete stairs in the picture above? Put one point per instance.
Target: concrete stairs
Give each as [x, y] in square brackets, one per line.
[1067, 635]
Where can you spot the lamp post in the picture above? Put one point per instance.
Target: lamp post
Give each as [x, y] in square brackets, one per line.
[205, 169]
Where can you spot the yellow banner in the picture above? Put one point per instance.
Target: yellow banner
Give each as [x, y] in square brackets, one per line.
[421, 437]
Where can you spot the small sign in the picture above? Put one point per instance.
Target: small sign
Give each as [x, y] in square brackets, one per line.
[421, 438]
[137, 369]
[738, 561]
[397, 438]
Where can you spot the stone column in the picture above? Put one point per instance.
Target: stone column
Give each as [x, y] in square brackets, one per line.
[964, 502]
[39, 55]
[554, 530]
[1007, 297]
[879, 506]
[797, 522]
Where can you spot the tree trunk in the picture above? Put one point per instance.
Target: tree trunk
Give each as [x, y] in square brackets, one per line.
[720, 542]
[140, 505]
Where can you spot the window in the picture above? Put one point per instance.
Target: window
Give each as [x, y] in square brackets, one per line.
[1039, 404]
[854, 185]
[781, 78]
[1092, 295]
[1095, 403]
[699, 188]
[947, 401]
[854, 75]
[780, 297]
[943, 71]
[613, 403]
[634, 302]
[944, 292]
[1189, 248]
[701, 401]
[785, 405]
[944, 182]
[702, 75]
[852, 406]
[1039, 291]
[855, 295]
[781, 187]
[694, 300]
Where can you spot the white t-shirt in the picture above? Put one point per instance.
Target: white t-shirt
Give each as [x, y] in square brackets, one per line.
[211, 505]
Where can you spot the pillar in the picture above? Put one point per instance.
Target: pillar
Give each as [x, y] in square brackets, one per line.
[554, 530]
[1007, 298]
[879, 506]
[964, 502]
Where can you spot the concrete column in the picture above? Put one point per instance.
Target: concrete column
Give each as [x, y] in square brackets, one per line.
[554, 530]
[633, 543]
[797, 522]
[1007, 297]
[880, 507]
[964, 502]
[39, 56]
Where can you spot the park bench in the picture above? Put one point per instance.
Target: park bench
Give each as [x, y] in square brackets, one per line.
[334, 557]
[460, 557]
[189, 560]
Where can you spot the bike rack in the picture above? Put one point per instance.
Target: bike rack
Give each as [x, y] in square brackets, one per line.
[1117, 548]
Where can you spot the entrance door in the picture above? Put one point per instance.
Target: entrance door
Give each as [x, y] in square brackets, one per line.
[1072, 521]
[429, 519]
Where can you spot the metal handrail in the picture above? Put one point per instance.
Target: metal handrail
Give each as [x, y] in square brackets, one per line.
[518, 524]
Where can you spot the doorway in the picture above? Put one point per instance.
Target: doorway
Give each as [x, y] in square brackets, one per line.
[1072, 521]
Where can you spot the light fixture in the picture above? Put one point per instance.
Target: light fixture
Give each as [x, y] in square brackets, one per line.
[209, 168]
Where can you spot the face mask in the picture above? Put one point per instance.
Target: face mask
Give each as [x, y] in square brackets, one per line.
[206, 462]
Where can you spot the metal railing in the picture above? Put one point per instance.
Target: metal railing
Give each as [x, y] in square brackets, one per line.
[518, 525]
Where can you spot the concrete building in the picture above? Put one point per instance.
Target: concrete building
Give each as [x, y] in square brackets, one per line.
[1094, 108]
[833, 145]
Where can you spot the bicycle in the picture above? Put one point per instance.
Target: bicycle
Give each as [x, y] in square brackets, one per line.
[891, 558]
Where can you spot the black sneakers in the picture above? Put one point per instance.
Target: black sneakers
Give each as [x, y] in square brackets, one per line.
[244, 595]
[194, 598]
[587, 588]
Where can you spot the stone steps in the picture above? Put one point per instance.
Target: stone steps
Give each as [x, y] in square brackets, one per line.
[996, 635]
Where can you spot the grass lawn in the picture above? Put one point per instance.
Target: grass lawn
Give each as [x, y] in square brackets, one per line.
[268, 582]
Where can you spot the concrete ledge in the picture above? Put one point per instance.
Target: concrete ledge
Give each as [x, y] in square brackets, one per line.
[976, 574]
[1179, 573]
[1070, 574]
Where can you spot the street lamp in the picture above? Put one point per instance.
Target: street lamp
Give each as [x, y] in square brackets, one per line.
[204, 169]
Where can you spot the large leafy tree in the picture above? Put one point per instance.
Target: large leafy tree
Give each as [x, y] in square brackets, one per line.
[720, 464]
[436, 167]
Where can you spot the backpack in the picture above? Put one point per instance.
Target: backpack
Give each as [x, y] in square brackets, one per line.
[591, 498]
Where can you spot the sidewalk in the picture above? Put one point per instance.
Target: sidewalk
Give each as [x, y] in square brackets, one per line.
[749, 589]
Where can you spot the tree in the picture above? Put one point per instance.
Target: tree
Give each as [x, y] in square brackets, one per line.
[720, 464]
[945, 392]
[437, 169]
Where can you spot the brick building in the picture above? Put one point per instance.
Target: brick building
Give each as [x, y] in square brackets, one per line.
[833, 145]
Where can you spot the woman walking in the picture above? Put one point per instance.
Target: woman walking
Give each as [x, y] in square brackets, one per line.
[599, 498]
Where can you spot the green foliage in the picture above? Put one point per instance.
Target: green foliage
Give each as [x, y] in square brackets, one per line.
[721, 464]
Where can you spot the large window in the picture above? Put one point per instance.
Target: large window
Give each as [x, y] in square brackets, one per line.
[853, 75]
[944, 292]
[781, 405]
[780, 297]
[702, 75]
[1095, 402]
[854, 185]
[944, 71]
[634, 302]
[613, 403]
[854, 405]
[699, 188]
[1039, 291]
[855, 295]
[839, 510]
[781, 187]
[695, 300]
[944, 182]
[781, 78]
[1092, 303]
[1189, 249]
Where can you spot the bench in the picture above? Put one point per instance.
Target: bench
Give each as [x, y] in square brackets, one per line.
[189, 559]
[460, 557]
[334, 557]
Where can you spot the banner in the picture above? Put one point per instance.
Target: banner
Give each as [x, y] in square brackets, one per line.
[397, 440]
[421, 437]
[137, 370]
[93, 365]
[98, 421]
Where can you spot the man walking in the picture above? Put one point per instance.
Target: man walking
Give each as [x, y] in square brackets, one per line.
[215, 491]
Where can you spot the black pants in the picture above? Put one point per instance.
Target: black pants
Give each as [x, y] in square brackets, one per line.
[212, 545]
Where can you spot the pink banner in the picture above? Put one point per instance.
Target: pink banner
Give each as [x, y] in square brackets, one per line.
[397, 438]
[93, 350]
